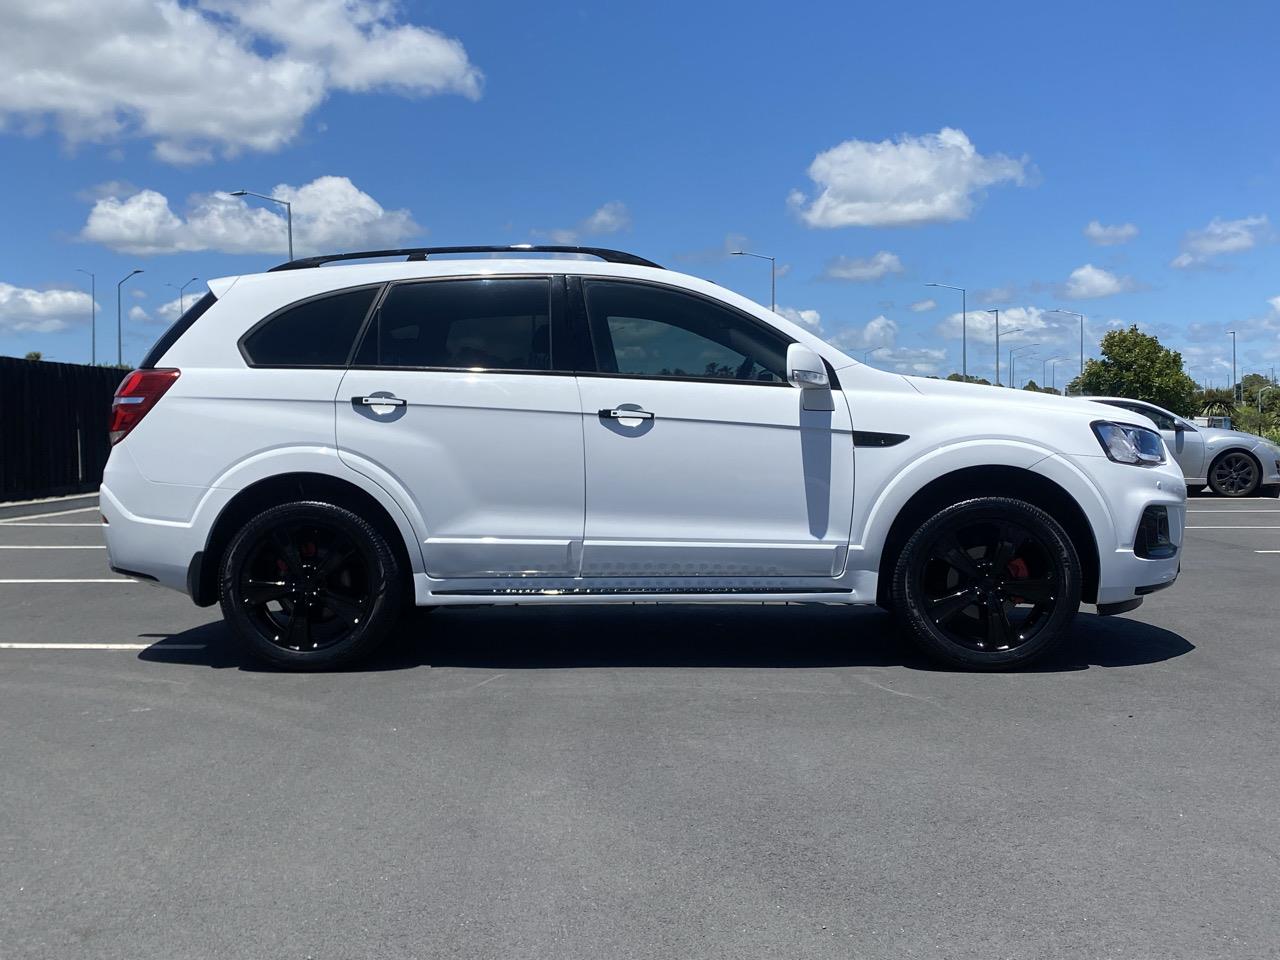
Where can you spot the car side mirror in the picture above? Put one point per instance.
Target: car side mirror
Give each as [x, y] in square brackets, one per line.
[805, 369]
[1179, 426]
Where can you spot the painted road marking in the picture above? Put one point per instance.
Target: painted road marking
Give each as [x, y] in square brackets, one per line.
[102, 646]
[12, 523]
[56, 513]
[99, 580]
[1243, 527]
[52, 547]
[1266, 551]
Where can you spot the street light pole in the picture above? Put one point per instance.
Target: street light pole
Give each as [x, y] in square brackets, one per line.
[773, 275]
[964, 326]
[1236, 393]
[288, 211]
[1080, 317]
[182, 306]
[120, 323]
[1053, 371]
[1013, 352]
[996, 311]
[93, 316]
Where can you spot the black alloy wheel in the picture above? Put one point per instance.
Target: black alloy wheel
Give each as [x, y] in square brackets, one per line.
[1235, 474]
[991, 583]
[310, 586]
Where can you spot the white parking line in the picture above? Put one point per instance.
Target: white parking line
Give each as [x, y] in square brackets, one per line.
[56, 513]
[5, 546]
[102, 646]
[14, 523]
[100, 580]
[1266, 551]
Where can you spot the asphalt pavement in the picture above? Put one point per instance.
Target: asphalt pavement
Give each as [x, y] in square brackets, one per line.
[637, 781]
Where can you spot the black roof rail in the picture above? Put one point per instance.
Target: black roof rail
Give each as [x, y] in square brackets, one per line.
[422, 253]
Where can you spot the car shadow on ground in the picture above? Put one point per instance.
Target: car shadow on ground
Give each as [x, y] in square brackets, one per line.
[648, 635]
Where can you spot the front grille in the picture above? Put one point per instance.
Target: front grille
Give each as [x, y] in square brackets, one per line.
[1153, 541]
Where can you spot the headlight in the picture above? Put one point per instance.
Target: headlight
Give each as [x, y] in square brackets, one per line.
[1125, 443]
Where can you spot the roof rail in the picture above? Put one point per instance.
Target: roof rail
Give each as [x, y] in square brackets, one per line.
[422, 253]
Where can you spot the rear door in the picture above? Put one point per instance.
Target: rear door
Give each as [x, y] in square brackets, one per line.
[700, 458]
[455, 398]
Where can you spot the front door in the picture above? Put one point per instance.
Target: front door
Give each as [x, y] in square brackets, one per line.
[700, 459]
[455, 398]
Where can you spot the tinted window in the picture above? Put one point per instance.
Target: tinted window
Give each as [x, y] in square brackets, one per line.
[179, 327]
[314, 333]
[498, 324]
[1162, 420]
[646, 331]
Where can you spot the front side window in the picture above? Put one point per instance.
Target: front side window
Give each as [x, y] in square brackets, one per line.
[641, 330]
[495, 324]
[314, 333]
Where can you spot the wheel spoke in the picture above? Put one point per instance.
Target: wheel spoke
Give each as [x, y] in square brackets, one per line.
[298, 630]
[999, 629]
[950, 551]
[343, 607]
[336, 554]
[942, 609]
[1001, 552]
[287, 551]
[256, 593]
[1035, 590]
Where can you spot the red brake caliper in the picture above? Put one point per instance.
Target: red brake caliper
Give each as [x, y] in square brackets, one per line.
[1017, 568]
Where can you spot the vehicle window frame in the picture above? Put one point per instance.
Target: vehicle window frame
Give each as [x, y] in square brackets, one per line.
[555, 311]
[242, 343]
[595, 337]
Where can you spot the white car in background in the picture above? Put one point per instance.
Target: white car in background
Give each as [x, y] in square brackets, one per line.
[1231, 463]
[317, 446]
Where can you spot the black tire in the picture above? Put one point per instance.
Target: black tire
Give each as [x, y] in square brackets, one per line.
[963, 584]
[1235, 474]
[310, 586]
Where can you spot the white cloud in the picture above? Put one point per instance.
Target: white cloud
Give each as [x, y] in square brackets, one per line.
[1031, 323]
[1105, 235]
[879, 333]
[924, 179]
[138, 314]
[169, 312]
[871, 268]
[211, 76]
[920, 306]
[1219, 237]
[1275, 304]
[811, 319]
[612, 217]
[1089, 282]
[329, 213]
[41, 311]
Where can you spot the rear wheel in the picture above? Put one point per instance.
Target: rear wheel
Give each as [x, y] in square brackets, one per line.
[1235, 474]
[310, 586]
[988, 584]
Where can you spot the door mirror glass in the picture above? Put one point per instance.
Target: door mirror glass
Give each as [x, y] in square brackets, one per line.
[805, 368]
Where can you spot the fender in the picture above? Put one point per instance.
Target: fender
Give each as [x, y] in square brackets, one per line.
[265, 464]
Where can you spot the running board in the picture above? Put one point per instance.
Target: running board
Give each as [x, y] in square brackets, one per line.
[638, 591]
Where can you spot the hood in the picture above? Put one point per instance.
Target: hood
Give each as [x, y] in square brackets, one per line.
[1018, 399]
[1236, 436]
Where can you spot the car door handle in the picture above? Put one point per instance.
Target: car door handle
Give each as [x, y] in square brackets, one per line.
[380, 401]
[619, 414]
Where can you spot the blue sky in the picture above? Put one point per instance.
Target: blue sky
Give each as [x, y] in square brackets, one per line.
[870, 148]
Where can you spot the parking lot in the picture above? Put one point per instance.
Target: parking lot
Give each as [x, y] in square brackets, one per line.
[637, 781]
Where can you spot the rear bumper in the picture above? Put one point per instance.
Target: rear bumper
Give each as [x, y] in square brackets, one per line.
[158, 551]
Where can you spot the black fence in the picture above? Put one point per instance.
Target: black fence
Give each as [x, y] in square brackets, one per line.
[53, 427]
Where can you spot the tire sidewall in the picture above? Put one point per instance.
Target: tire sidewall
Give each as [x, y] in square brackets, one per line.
[1253, 488]
[384, 585]
[909, 603]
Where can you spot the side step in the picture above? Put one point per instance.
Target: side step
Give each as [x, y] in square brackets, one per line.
[638, 591]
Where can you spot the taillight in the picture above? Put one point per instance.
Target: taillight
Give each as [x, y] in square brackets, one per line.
[137, 394]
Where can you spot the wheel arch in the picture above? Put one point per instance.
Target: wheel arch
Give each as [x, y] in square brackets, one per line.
[968, 483]
[202, 576]
[1248, 452]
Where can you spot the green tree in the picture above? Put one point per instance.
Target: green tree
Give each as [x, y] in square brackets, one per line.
[961, 378]
[34, 355]
[1032, 386]
[1217, 403]
[1135, 365]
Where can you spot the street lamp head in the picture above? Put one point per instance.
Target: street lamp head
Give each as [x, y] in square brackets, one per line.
[737, 253]
[137, 270]
[239, 193]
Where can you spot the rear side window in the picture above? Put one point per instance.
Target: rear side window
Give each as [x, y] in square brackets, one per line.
[493, 324]
[176, 330]
[319, 332]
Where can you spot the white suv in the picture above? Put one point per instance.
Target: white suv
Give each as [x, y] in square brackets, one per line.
[317, 446]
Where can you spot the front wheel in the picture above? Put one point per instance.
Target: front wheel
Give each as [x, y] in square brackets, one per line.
[1235, 474]
[310, 586]
[989, 584]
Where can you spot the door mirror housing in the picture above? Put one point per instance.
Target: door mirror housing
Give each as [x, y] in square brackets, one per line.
[805, 369]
